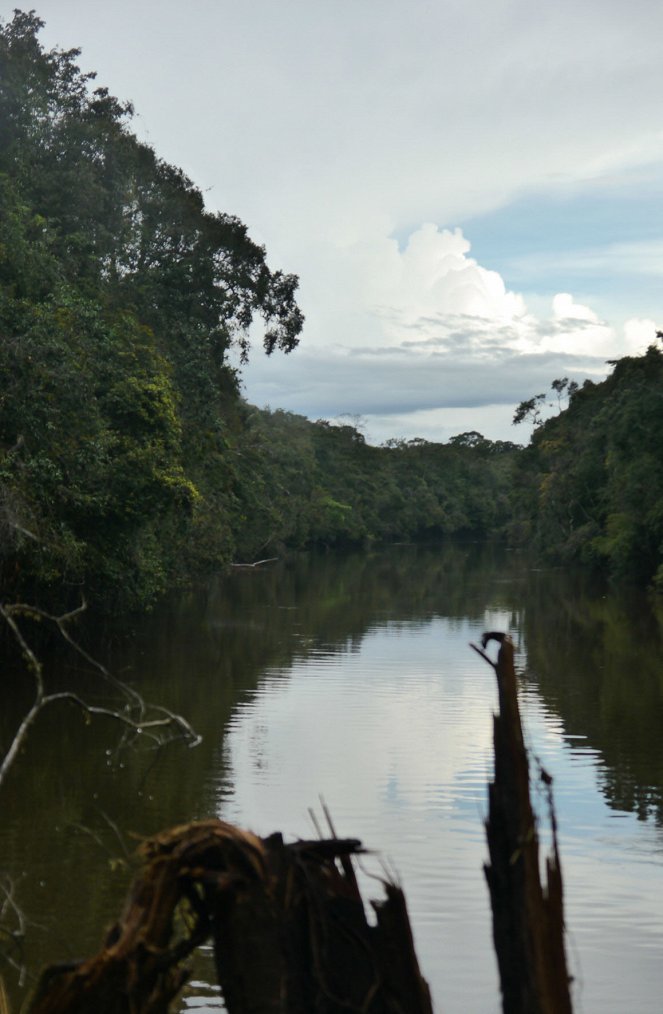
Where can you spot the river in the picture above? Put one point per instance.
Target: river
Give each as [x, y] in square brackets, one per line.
[350, 677]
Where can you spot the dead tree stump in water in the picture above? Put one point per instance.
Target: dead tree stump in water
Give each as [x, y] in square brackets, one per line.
[528, 918]
[288, 924]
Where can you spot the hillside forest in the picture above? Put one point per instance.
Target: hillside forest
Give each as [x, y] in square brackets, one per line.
[130, 461]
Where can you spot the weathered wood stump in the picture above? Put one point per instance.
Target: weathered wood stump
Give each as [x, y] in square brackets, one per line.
[288, 924]
[528, 918]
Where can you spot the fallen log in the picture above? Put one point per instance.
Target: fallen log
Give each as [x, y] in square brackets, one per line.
[528, 917]
[288, 923]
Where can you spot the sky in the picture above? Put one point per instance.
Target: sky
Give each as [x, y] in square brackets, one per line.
[469, 190]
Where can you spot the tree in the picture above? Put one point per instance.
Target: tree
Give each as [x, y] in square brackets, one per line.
[126, 706]
[120, 297]
[121, 219]
[590, 486]
[530, 409]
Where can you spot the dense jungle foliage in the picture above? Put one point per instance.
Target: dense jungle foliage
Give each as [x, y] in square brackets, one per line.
[590, 485]
[129, 460]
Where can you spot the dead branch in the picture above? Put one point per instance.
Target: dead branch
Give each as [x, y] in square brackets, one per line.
[258, 563]
[528, 917]
[132, 711]
[12, 928]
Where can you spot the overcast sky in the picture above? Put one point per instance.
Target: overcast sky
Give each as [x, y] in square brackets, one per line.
[469, 190]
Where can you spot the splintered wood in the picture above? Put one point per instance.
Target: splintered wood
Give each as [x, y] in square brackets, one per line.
[528, 917]
[288, 924]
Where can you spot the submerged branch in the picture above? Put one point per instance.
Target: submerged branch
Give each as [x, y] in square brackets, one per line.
[258, 563]
[133, 712]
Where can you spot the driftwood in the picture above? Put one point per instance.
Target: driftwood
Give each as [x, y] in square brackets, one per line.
[258, 563]
[528, 918]
[288, 924]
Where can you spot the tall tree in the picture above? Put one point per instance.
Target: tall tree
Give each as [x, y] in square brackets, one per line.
[120, 297]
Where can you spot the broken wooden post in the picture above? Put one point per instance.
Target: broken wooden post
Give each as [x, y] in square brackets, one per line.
[288, 923]
[528, 918]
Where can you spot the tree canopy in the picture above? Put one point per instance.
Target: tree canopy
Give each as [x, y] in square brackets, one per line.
[129, 460]
[120, 298]
[590, 485]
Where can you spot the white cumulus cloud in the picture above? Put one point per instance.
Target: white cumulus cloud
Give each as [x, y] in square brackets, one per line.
[431, 341]
[434, 274]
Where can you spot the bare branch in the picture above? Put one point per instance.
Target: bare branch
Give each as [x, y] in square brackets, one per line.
[139, 726]
[34, 665]
[12, 929]
[484, 654]
[258, 563]
[118, 834]
[60, 622]
[19, 739]
[135, 715]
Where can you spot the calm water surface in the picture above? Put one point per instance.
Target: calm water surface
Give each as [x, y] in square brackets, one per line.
[350, 678]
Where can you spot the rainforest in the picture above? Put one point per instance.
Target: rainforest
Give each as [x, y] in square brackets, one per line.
[130, 462]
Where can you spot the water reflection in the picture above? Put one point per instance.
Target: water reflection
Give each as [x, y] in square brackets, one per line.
[350, 676]
[398, 743]
[596, 657]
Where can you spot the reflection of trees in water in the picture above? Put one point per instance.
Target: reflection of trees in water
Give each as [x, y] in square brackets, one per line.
[597, 658]
[197, 654]
[339, 597]
[265, 616]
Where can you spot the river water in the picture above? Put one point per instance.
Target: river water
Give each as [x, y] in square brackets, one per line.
[350, 677]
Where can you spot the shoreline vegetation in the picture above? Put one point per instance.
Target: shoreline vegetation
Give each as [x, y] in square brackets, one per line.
[129, 460]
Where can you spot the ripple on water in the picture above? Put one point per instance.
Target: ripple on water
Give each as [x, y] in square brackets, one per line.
[396, 735]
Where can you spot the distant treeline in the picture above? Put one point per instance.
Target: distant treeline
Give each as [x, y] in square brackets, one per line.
[130, 462]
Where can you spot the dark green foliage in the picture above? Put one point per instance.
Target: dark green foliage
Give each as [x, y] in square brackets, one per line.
[91, 440]
[320, 483]
[128, 460]
[120, 296]
[590, 485]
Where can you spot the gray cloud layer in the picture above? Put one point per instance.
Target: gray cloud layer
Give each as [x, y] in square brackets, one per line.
[391, 382]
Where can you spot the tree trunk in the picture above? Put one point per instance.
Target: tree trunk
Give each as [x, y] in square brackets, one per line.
[528, 918]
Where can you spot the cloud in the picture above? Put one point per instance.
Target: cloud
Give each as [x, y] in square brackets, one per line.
[433, 331]
[429, 294]
[333, 133]
[639, 333]
[434, 275]
[314, 116]
[564, 309]
[397, 380]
